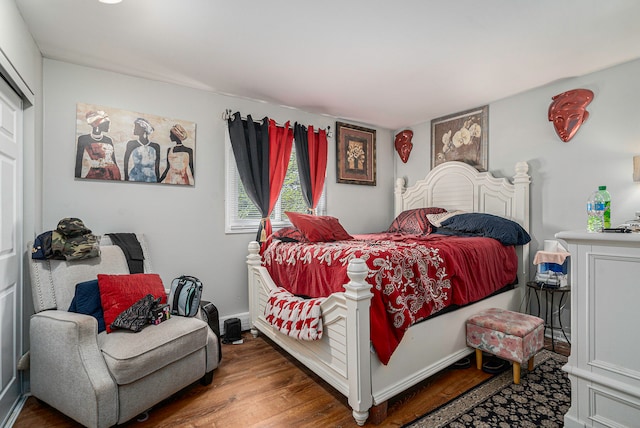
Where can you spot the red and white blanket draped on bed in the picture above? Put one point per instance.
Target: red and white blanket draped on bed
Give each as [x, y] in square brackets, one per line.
[294, 316]
[412, 277]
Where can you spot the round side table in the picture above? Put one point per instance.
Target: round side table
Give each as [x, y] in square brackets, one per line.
[550, 293]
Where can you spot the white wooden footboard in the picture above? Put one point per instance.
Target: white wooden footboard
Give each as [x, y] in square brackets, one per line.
[342, 357]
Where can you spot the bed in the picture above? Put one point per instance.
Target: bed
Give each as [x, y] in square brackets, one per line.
[344, 356]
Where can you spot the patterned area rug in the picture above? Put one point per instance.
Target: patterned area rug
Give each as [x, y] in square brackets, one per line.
[541, 400]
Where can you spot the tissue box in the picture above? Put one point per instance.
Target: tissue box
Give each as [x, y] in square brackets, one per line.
[160, 313]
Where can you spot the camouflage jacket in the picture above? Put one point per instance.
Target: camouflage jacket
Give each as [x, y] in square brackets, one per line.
[71, 240]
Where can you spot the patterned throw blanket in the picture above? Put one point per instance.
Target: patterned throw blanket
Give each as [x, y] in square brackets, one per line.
[412, 277]
[294, 316]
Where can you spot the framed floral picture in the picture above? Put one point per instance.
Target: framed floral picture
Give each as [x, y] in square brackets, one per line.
[461, 137]
[355, 154]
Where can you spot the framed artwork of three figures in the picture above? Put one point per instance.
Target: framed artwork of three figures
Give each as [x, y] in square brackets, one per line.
[120, 145]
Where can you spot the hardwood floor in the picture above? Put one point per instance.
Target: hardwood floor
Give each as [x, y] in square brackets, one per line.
[258, 385]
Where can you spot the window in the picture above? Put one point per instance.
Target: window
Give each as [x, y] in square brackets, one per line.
[243, 216]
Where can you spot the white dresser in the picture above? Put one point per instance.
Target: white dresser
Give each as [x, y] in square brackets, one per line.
[604, 366]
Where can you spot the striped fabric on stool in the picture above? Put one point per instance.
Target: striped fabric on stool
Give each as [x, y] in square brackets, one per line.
[506, 334]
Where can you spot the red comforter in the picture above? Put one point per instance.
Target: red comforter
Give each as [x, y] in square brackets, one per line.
[412, 277]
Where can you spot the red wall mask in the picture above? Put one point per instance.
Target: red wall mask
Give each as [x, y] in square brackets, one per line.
[403, 144]
[568, 111]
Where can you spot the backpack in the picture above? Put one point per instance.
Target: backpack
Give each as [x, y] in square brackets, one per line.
[185, 294]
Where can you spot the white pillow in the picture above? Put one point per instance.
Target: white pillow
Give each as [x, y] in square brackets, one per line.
[437, 219]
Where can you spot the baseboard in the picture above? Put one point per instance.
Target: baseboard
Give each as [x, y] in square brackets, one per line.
[244, 321]
[559, 337]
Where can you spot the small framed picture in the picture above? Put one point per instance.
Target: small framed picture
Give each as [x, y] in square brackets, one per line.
[461, 137]
[355, 154]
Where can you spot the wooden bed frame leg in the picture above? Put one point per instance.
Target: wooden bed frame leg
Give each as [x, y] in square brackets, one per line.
[360, 417]
[378, 413]
[253, 260]
[358, 299]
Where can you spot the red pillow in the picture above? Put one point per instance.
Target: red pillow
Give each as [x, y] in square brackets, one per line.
[415, 221]
[119, 292]
[317, 228]
[288, 234]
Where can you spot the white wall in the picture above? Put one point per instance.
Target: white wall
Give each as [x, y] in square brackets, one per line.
[563, 174]
[21, 65]
[184, 225]
[24, 64]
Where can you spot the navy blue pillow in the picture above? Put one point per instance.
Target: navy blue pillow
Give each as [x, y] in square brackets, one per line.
[87, 301]
[506, 231]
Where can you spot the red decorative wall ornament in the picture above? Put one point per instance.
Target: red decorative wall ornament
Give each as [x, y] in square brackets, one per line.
[568, 111]
[403, 144]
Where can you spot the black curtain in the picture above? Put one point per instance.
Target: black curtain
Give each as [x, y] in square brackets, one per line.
[304, 167]
[250, 143]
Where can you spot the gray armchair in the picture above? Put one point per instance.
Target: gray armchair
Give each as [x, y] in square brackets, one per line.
[105, 379]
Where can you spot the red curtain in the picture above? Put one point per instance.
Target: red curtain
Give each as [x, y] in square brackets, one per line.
[317, 162]
[311, 153]
[280, 144]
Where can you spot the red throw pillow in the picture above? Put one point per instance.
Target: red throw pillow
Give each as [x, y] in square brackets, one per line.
[119, 292]
[288, 234]
[317, 228]
[414, 222]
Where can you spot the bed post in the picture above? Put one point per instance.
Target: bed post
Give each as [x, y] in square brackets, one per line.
[398, 192]
[358, 299]
[521, 182]
[253, 260]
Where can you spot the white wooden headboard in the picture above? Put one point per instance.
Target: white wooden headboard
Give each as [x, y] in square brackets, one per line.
[459, 186]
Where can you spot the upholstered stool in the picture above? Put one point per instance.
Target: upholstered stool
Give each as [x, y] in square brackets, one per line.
[506, 334]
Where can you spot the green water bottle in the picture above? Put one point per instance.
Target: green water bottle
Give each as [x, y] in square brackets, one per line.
[607, 206]
[595, 210]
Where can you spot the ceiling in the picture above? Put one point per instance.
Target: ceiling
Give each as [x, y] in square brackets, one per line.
[387, 63]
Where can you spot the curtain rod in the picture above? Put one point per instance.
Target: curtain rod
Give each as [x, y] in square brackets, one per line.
[226, 115]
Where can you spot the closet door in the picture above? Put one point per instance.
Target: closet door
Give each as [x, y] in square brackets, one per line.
[11, 150]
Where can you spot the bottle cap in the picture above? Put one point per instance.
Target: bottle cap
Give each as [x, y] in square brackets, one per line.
[602, 187]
